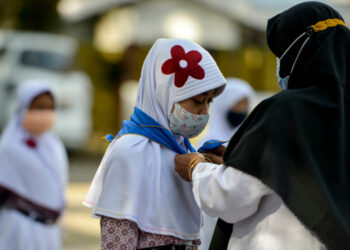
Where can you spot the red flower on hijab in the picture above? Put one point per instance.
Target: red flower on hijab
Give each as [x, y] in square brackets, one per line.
[183, 65]
[30, 142]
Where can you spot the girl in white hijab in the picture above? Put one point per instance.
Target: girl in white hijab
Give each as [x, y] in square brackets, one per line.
[33, 174]
[140, 199]
[227, 113]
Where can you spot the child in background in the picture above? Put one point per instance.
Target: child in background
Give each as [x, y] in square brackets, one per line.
[33, 174]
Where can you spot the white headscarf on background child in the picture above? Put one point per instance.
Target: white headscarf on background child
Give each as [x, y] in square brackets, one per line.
[136, 179]
[37, 172]
[219, 127]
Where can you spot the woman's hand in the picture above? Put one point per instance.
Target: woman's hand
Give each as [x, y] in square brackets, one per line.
[219, 151]
[216, 154]
[214, 158]
[182, 164]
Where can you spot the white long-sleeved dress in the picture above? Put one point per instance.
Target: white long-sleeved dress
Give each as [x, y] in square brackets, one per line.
[261, 219]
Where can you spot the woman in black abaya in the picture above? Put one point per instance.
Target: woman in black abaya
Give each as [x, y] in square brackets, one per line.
[297, 142]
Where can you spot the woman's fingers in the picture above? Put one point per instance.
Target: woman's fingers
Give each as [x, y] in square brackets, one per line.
[214, 158]
[220, 151]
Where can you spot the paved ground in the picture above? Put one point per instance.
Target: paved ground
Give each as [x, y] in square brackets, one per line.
[82, 231]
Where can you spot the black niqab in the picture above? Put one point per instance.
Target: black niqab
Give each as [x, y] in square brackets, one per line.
[297, 142]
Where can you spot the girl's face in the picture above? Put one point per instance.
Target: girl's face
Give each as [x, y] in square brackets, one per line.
[42, 102]
[199, 104]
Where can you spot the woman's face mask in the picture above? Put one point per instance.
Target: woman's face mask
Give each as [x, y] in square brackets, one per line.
[282, 82]
[184, 123]
[38, 121]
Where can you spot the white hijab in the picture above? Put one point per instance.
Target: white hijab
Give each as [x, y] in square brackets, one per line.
[136, 179]
[219, 128]
[39, 173]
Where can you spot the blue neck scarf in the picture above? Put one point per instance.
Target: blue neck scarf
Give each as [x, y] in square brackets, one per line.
[142, 124]
[210, 145]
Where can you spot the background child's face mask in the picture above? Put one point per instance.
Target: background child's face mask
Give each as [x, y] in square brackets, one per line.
[38, 122]
[185, 123]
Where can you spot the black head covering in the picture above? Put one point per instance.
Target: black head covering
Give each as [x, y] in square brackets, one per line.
[284, 28]
[298, 141]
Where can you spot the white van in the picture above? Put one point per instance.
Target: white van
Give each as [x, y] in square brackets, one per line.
[28, 55]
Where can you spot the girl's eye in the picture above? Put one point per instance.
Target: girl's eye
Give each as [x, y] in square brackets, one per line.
[197, 101]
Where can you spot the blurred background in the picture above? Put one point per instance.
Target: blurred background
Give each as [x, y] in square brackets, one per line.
[91, 53]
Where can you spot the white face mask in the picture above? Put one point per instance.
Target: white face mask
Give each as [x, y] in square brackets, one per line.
[38, 122]
[185, 123]
[283, 82]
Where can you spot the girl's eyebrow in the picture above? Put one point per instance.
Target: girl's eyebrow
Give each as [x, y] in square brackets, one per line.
[205, 93]
[200, 95]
